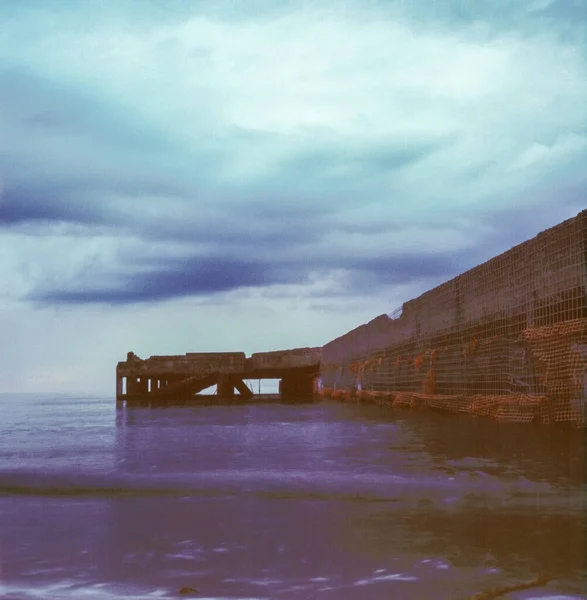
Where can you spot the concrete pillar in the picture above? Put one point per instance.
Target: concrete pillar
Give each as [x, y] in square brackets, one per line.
[143, 385]
[243, 389]
[225, 386]
[118, 387]
[296, 387]
[131, 385]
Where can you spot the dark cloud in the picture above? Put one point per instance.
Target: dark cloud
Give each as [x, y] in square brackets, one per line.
[192, 277]
[105, 177]
[72, 156]
[35, 203]
[243, 256]
[153, 279]
[250, 200]
[510, 226]
[408, 267]
[174, 219]
[80, 198]
[75, 157]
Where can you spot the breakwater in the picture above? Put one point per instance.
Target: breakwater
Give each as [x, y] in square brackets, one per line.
[507, 339]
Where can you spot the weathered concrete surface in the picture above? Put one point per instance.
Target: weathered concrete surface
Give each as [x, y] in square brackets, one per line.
[468, 336]
[184, 364]
[188, 374]
[288, 359]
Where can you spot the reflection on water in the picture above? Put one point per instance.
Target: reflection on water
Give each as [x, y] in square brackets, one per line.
[284, 501]
[555, 454]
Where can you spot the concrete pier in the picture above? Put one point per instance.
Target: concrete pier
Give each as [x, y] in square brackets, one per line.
[506, 339]
[184, 377]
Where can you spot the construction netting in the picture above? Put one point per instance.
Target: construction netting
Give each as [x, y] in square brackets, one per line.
[506, 340]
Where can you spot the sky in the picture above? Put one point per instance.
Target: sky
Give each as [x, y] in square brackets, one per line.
[250, 176]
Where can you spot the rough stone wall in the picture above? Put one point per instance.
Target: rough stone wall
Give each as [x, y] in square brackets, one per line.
[471, 335]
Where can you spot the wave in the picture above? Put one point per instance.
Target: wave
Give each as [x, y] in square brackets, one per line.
[96, 591]
[280, 484]
[79, 482]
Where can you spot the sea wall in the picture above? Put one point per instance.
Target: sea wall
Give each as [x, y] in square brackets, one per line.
[514, 326]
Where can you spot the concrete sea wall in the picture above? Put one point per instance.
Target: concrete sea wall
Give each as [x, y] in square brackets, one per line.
[506, 339]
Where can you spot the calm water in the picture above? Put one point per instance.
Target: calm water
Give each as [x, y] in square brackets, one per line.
[303, 501]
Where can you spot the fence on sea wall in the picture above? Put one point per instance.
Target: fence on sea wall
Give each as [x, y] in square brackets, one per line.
[507, 339]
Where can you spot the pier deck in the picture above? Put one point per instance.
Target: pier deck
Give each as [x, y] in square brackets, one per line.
[182, 377]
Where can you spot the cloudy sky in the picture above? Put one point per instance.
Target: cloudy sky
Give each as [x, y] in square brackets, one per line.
[213, 175]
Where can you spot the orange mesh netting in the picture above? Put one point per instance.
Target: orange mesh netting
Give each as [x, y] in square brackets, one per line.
[561, 364]
[551, 357]
[506, 340]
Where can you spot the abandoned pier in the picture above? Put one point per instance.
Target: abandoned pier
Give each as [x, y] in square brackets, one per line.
[505, 340]
[184, 377]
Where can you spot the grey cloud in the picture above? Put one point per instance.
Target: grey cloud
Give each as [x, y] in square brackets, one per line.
[180, 278]
[35, 203]
[403, 268]
[153, 279]
[67, 152]
[123, 167]
[70, 153]
[516, 224]
[109, 188]
[158, 278]
[340, 160]
[48, 107]
[455, 12]
[81, 199]
[496, 16]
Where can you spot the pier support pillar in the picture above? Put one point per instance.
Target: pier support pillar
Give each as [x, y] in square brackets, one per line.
[243, 389]
[225, 386]
[296, 387]
[131, 386]
[143, 385]
[118, 388]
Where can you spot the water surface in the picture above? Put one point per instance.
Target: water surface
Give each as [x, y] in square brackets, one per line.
[284, 501]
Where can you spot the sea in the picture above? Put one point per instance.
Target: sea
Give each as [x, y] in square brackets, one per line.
[299, 500]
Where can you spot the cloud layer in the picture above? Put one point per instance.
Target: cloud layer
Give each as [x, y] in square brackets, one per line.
[195, 149]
